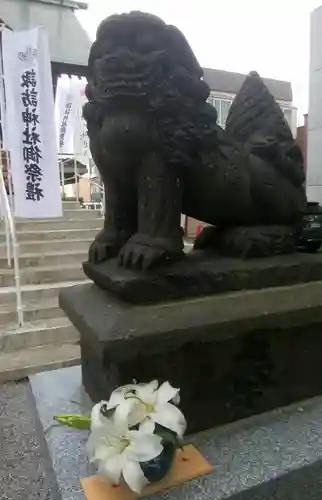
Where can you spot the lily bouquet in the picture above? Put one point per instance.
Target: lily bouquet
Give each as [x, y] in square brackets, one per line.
[133, 435]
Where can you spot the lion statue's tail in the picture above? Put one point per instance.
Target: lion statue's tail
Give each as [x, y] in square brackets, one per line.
[257, 121]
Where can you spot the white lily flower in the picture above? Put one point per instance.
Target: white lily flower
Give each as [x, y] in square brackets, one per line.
[153, 406]
[119, 451]
[147, 405]
[121, 412]
[97, 419]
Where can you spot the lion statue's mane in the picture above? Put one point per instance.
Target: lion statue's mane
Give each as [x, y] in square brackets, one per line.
[168, 82]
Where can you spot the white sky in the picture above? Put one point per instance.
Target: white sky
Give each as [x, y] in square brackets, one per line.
[271, 37]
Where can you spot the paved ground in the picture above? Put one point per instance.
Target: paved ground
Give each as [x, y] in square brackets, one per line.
[25, 467]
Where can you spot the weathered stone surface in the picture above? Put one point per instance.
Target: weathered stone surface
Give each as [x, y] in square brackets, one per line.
[304, 483]
[56, 392]
[233, 355]
[26, 470]
[201, 274]
[160, 152]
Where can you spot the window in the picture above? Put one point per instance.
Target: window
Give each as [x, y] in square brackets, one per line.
[96, 189]
[222, 106]
[225, 107]
[216, 104]
[288, 115]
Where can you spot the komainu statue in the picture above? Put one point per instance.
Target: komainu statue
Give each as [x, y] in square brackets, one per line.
[160, 152]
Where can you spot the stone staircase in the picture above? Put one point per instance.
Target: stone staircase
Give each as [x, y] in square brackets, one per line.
[51, 256]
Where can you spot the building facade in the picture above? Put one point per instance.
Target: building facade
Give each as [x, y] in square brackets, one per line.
[69, 44]
[224, 86]
[314, 136]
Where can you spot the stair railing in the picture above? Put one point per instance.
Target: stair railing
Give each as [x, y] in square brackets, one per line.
[7, 217]
[6, 196]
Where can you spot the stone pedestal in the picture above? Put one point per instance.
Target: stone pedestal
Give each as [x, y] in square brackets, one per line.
[203, 273]
[232, 355]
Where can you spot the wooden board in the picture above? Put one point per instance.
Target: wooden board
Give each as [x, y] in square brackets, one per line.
[188, 464]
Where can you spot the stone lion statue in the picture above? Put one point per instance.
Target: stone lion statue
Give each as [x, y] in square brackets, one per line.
[161, 153]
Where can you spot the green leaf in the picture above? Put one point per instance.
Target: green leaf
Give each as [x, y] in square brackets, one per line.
[168, 436]
[74, 421]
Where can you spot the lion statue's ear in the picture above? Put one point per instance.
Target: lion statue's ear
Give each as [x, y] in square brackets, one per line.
[181, 51]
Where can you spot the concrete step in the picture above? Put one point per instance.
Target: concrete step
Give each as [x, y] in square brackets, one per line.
[54, 331]
[42, 247]
[48, 259]
[53, 234]
[43, 274]
[15, 365]
[68, 214]
[60, 245]
[56, 244]
[50, 224]
[82, 213]
[33, 294]
[71, 205]
[33, 311]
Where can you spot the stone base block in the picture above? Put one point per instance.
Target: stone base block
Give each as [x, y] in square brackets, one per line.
[202, 273]
[232, 355]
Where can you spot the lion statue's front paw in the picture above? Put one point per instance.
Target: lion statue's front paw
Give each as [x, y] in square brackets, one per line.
[106, 245]
[142, 251]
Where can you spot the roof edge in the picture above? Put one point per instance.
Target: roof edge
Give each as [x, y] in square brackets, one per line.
[315, 10]
[230, 82]
[70, 4]
[245, 74]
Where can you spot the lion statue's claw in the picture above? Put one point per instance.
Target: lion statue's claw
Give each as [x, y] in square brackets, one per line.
[143, 252]
[106, 245]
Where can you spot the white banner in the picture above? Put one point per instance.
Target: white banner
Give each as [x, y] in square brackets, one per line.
[81, 141]
[65, 115]
[30, 127]
[71, 126]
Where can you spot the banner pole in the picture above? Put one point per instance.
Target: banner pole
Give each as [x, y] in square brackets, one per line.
[62, 176]
[76, 177]
[4, 144]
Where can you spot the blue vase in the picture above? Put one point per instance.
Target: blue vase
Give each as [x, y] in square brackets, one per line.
[156, 469]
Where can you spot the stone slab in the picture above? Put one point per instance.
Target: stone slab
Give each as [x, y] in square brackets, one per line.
[279, 452]
[20, 363]
[201, 273]
[232, 355]
[25, 467]
[302, 484]
[54, 392]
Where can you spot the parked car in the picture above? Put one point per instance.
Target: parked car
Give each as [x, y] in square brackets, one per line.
[309, 234]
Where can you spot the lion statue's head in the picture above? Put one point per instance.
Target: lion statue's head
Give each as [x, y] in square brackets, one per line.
[139, 64]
